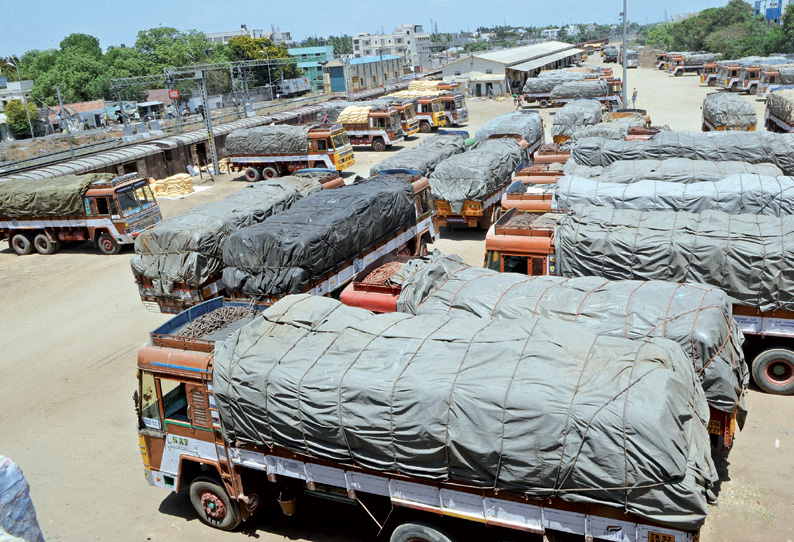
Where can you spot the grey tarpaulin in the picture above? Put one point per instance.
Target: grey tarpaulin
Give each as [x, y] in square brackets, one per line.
[785, 75]
[696, 317]
[752, 147]
[748, 256]
[268, 140]
[616, 129]
[781, 104]
[574, 115]
[682, 170]
[18, 521]
[580, 89]
[334, 108]
[735, 195]
[288, 251]
[729, 111]
[533, 407]
[58, 196]
[526, 124]
[544, 85]
[431, 151]
[700, 58]
[188, 247]
[475, 174]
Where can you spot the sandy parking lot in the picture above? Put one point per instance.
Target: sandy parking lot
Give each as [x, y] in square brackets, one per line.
[72, 324]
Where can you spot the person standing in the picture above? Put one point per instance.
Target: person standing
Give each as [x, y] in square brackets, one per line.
[634, 99]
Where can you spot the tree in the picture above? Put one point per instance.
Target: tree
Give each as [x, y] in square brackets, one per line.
[17, 118]
[82, 44]
[248, 48]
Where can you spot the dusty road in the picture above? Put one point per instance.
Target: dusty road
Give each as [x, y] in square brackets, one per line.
[72, 324]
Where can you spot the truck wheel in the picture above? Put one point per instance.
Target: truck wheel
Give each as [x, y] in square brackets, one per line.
[712, 82]
[22, 244]
[422, 250]
[752, 90]
[378, 145]
[543, 102]
[44, 245]
[773, 371]
[213, 505]
[252, 175]
[107, 245]
[678, 73]
[419, 532]
[735, 87]
[425, 127]
[269, 173]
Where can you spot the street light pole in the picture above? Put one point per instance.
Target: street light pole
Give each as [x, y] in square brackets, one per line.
[24, 100]
[625, 71]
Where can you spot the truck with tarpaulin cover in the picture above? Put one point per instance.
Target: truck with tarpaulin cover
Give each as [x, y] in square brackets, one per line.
[724, 111]
[108, 210]
[192, 442]
[267, 152]
[376, 126]
[750, 76]
[606, 92]
[531, 244]
[779, 111]
[429, 109]
[776, 78]
[452, 98]
[691, 63]
[708, 76]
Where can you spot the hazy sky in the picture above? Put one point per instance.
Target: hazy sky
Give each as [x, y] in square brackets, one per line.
[41, 24]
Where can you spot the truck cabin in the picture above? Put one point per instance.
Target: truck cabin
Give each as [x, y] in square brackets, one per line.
[128, 199]
[329, 139]
[455, 104]
[730, 73]
[660, 58]
[388, 120]
[710, 68]
[769, 77]
[432, 106]
[522, 243]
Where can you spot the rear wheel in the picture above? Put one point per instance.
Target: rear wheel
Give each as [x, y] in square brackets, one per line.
[213, 505]
[107, 245]
[44, 245]
[378, 145]
[22, 244]
[252, 175]
[712, 82]
[543, 102]
[269, 173]
[753, 90]
[420, 532]
[424, 127]
[773, 371]
[678, 73]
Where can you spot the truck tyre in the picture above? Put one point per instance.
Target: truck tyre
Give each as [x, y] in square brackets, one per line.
[735, 87]
[713, 82]
[253, 175]
[269, 173]
[422, 250]
[425, 127]
[543, 102]
[22, 244]
[44, 245]
[773, 371]
[213, 505]
[678, 73]
[107, 245]
[378, 145]
[419, 532]
[752, 90]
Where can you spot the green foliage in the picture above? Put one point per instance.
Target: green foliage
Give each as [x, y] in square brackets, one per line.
[248, 48]
[17, 118]
[343, 45]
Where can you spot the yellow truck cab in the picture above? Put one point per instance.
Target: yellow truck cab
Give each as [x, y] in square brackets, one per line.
[429, 109]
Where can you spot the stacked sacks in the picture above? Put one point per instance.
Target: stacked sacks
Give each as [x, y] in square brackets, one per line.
[173, 187]
[431, 151]
[354, 114]
[681, 170]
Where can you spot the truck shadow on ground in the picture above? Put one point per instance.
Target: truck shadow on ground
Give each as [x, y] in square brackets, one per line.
[86, 247]
[463, 234]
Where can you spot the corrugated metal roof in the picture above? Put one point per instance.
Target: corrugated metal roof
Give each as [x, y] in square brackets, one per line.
[518, 55]
[542, 61]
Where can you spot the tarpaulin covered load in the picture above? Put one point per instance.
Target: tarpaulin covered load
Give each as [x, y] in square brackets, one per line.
[287, 252]
[431, 151]
[544, 85]
[475, 174]
[780, 103]
[580, 89]
[700, 59]
[278, 139]
[729, 111]
[534, 407]
[58, 196]
[17, 515]
[734, 195]
[682, 170]
[785, 75]
[188, 247]
[527, 124]
[617, 129]
[574, 115]
[696, 317]
[752, 147]
[334, 108]
[748, 256]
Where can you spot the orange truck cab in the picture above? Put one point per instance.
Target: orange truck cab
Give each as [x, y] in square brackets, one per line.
[380, 129]
[709, 74]
[729, 77]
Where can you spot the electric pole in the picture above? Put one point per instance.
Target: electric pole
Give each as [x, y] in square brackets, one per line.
[625, 72]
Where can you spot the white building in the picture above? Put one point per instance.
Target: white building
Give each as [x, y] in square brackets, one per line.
[591, 26]
[501, 72]
[407, 41]
[550, 33]
[278, 37]
[223, 37]
[13, 91]
[572, 30]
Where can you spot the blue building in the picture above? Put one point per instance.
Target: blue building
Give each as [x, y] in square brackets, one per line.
[311, 61]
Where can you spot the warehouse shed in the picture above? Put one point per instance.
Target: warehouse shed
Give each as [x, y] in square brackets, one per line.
[501, 72]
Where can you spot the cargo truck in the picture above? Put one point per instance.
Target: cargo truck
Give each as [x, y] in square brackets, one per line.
[453, 100]
[708, 76]
[185, 448]
[779, 111]
[528, 246]
[610, 56]
[690, 63]
[108, 210]
[429, 109]
[776, 78]
[659, 62]
[376, 126]
[284, 149]
[723, 111]
[632, 59]
[406, 109]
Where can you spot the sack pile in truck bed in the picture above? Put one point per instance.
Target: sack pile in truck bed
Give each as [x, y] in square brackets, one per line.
[526, 124]
[188, 247]
[580, 89]
[780, 103]
[545, 84]
[334, 108]
[430, 152]
[681, 170]
[57, 196]
[696, 317]
[538, 408]
[286, 253]
[261, 140]
[476, 173]
[752, 147]
[575, 115]
[423, 85]
[354, 114]
[734, 195]
[748, 256]
[730, 111]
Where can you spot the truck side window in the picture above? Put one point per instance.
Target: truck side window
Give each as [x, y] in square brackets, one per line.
[150, 413]
[423, 205]
[174, 400]
[114, 211]
[322, 145]
[102, 206]
[493, 261]
[381, 122]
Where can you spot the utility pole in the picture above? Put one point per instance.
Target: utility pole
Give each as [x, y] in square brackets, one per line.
[121, 108]
[24, 100]
[63, 119]
[625, 72]
[202, 84]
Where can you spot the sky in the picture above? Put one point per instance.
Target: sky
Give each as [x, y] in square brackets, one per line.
[42, 24]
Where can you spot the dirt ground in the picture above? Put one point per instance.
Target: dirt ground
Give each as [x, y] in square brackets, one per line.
[72, 324]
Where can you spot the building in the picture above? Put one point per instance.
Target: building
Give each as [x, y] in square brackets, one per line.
[550, 33]
[572, 30]
[774, 10]
[362, 73]
[311, 61]
[278, 37]
[13, 91]
[409, 42]
[501, 72]
[223, 37]
[80, 115]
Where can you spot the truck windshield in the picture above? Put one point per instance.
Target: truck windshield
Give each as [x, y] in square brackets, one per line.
[460, 102]
[437, 107]
[394, 120]
[409, 113]
[341, 140]
[134, 199]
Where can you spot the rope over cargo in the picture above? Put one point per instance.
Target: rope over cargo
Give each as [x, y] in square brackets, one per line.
[682, 170]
